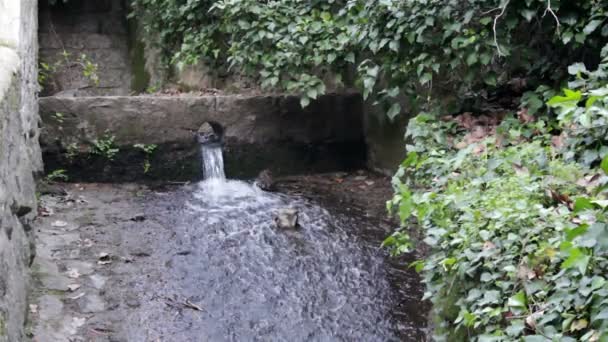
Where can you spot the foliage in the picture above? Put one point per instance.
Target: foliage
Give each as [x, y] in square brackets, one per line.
[57, 175]
[518, 230]
[105, 147]
[148, 150]
[47, 70]
[387, 47]
[582, 112]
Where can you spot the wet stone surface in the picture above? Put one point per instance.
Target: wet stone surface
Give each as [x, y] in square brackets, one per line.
[205, 262]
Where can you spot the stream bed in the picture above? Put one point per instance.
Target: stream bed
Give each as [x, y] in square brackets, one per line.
[206, 262]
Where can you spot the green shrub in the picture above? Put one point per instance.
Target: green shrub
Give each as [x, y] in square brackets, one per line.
[517, 230]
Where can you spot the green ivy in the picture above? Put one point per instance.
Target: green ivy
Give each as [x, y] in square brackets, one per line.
[517, 227]
[385, 47]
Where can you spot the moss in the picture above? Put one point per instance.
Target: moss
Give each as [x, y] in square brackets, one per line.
[140, 76]
[2, 326]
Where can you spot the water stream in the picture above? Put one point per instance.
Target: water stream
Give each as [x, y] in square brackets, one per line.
[213, 161]
[256, 282]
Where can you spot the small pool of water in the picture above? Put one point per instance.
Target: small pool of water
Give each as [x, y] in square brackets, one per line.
[256, 282]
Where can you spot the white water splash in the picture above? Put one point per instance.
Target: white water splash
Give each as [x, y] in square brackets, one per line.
[213, 162]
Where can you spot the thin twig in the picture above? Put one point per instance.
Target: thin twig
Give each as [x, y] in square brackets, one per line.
[550, 10]
[502, 12]
[490, 11]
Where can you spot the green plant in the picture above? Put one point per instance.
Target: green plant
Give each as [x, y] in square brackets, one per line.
[47, 70]
[516, 220]
[59, 117]
[72, 151]
[582, 113]
[391, 47]
[57, 175]
[105, 147]
[148, 150]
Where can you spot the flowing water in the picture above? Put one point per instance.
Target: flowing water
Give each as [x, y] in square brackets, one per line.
[256, 282]
[213, 161]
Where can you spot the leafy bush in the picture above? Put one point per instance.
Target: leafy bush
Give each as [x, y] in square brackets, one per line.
[582, 112]
[517, 230]
[387, 47]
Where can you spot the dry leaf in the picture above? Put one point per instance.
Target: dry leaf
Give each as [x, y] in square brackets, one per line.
[80, 295]
[78, 322]
[488, 245]
[520, 170]
[524, 117]
[73, 287]
[59, 223]
[73, 273]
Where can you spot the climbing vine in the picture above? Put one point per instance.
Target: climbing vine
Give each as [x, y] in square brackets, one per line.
[385, 47]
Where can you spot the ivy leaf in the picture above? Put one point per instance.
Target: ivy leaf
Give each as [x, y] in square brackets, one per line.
[570, 98]
[528, 14]
[576, 69]
[471, 58]
[581, 204]
[394, 111]
[591, 26]
[518, 300]
[577, 259]
[604, 164]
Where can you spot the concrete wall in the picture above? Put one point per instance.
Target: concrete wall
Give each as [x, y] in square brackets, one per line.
[97, 29]
[259, 132]
[19, 160]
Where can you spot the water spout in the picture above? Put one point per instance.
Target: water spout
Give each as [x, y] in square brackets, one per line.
[210, 138]
[213, 161]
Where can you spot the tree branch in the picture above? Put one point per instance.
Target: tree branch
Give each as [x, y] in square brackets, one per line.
[502, 12]
[550, 10]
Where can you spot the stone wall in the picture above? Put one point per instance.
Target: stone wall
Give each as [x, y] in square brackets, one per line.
[19, 161]
[261, 131]
[97, 29]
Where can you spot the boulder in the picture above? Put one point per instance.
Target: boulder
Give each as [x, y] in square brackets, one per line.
[286, 218]
[265, 180]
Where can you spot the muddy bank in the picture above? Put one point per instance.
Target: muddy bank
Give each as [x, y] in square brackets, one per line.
[138, 263]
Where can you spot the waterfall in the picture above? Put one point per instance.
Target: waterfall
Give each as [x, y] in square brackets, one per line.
[213, 161]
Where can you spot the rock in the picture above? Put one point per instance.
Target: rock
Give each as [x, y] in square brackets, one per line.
[265, 181]
[139, 217]
[51, 189]
[287, 218]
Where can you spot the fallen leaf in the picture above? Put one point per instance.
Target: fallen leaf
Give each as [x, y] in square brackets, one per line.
[524, 117]
[488, 245]
[59, 223]
[80, 295]
[520, 170]
[73, 273]
[73, 287]
[533, 318]
[78, 322]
